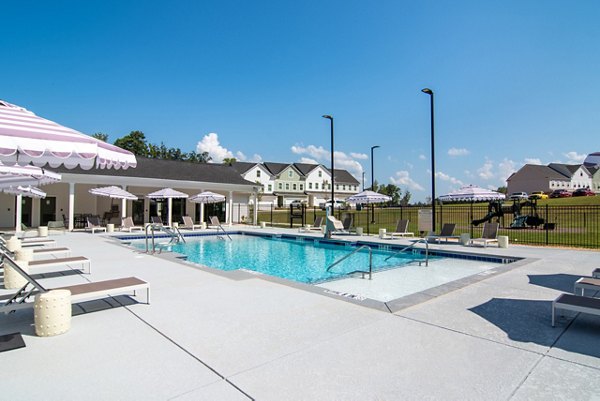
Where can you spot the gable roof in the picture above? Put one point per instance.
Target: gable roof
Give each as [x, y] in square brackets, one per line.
[306, 168]
[566, 169]
[170, 170]
[344, 177]
[275, 168]
[529, 171]
[242, 167]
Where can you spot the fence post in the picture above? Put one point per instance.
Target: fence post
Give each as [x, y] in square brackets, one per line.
[471, 218]
[546, 225]
[271, 215]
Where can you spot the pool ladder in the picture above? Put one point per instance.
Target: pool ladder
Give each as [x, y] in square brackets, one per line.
[412, 246]
[370, 272]
[173, 232]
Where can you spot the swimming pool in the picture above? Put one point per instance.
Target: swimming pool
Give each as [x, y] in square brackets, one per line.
[290, 258]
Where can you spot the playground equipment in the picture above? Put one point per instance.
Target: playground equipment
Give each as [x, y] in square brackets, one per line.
[496, 209]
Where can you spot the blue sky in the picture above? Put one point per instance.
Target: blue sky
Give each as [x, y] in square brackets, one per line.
[514, 81]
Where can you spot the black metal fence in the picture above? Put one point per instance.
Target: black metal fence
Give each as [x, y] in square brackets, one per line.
[570, 226]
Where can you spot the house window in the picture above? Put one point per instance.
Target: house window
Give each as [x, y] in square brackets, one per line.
[301, 187]
[337, 187]
[294, 187]
[316, 185]
[287, 187]
[320, 174]
[270, 188]
[344, 187]
[257, 173]
[310, 185]
[280, 186]
[290, 173]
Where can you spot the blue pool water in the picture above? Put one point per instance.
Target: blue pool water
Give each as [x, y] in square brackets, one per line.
[297, 260]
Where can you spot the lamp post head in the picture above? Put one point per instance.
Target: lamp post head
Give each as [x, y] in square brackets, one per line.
[327, 116]
[375, 147]
[427, 90]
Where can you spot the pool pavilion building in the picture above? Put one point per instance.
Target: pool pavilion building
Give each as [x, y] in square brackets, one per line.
[69, 200]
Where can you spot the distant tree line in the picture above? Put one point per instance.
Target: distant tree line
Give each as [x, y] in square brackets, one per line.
[394, 192]
[136, 143]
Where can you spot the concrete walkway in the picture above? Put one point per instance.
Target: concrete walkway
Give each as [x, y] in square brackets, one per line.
[208, 336]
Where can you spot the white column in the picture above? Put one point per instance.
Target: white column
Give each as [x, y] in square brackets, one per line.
[255, 217]
[201, 210]
[18, 213]
[124, 204]
[71, 205]
[170, 206]
[230, 204]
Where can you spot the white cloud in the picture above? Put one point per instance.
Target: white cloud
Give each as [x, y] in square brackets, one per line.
[323, 156]
[458, 152]
[485, 172]
[575, 157]
[210, 143]
[409, 165]
[505, 168]
[308, 160]
[403, 178]
[532, 160]
[422, 157]
[360, 156]
[445, 177]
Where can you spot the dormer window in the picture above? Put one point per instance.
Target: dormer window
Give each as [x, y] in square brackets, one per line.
[320, 174]
[290, 174]
[257, 173]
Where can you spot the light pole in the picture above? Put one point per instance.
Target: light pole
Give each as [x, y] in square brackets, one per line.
[330, 118]
[363, 176]
[430, 93]
[373, 182]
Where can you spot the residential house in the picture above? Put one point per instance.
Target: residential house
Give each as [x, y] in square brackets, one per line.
[533, 177]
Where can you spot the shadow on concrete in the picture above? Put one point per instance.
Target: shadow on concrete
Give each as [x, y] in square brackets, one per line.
[530, 321]
[559, 282]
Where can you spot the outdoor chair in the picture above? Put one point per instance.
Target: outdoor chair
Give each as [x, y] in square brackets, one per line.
[586, 283]
[315, 227]
[156, 220]
[348, 222]
[401, 230]
[575, 303]
[93, 223]
[446, 234]
[489, 235]
[214, 222]
[44, 263]
[334, 226]
[32, 241]
[127, 225]
[79, 292]
[189, 223]
[39, 251]
[596, 273]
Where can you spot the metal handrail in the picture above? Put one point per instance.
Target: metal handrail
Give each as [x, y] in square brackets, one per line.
[424, 240]
[172, 231]
[337, 262]
[224, 232]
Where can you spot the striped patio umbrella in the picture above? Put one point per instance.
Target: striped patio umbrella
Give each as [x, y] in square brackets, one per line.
[368, 197]
[113, 192]
[26, 175]
[169, 194]
[472, 193]
[29, 139]
[29, 191]
[208, 197]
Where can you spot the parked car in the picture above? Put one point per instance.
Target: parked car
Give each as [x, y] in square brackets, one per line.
[296, 203]
[538, 195]
[583, 192]
[560, 193]
[518, 195]
[340, 205]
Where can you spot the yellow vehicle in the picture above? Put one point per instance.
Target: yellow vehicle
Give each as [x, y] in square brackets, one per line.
[538, 195]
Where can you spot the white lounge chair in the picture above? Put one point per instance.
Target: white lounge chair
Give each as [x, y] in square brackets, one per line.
[43, 263]
[401, 230]
[334, 226]
[316, 225]
[586, 283]
[127, 225]
[79, 292]
[93, 223]
[189, 223]
[488, 236]
[575, 303]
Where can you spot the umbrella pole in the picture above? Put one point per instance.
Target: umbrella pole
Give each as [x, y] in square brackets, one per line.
[170, 207]
[19, 212]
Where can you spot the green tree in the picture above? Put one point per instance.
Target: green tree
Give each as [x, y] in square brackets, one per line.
[229, 161]
[502, 190]
[375, 186]
[393, 191]
[100, 136]
[405, 200]
[135, 142]
[196, 157]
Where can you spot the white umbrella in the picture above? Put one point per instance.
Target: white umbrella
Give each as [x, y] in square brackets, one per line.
[28, 139]
[208, 197]
[472, 193]
[29, 191]
[168, 194]
[113, 192]
[26, 175]
[369, 197]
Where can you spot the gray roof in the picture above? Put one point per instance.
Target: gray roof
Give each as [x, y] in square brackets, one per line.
[565, 169]
[242, 167]
[530, 171]
[344, 177]
[275, 168]
[305, 168]
[170, 170]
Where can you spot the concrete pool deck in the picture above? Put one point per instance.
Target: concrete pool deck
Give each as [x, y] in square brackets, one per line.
[206, 336]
